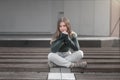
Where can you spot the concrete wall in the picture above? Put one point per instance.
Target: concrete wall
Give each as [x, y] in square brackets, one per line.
[25, 15]
[102, 18]
[57, 9]
[115, 15]
[88, 17]
[81, 15]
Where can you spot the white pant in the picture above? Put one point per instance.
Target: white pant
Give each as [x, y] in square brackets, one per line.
[65, 58]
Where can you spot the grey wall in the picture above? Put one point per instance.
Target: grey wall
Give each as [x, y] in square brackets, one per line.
[57, 8]
[81, 14]
[25, 16]
[88, 17]
[102, 17]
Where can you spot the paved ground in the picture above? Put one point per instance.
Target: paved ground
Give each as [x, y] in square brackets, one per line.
[44, 76]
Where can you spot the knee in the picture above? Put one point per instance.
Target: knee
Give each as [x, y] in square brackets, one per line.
[80, 53]
[51, 56]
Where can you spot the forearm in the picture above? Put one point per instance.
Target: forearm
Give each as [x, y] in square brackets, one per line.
[76, 44]
[73, 43]
[56, 45]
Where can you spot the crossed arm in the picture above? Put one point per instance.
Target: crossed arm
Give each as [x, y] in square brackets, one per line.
[65, 39]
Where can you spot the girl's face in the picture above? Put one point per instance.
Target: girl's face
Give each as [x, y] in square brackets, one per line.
[63, 27]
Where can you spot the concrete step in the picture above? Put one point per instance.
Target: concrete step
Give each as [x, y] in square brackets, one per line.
[24, 68]
[101, 57]
[102, 49]
[45, 57]
[47, 50]
[109, 68]
[97, 76]
[23, 61]
[33, 41]
[23, 75]
[116, 43]
[102, 54]
[23, 57]
[35, 59]
[46, 53]
[24, 54]
[44, 68]
[44, 61]
[44, 75]
[103, 61]
[24, 49]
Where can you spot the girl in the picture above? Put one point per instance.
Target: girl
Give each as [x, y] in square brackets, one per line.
[63, 41]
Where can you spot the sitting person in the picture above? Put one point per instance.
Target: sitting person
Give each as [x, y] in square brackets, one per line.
[65, 50]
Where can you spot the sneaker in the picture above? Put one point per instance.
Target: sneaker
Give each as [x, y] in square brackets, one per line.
[51, 64]
[82, 64]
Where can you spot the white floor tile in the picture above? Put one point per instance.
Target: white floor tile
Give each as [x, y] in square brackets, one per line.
[54, 76]
[68, 76]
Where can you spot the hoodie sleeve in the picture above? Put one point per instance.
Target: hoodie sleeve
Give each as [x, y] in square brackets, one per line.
[73, 42]
[57, 44]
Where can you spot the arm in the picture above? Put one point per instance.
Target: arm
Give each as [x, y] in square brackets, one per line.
[73, 43]
[76, 43]
[56, 45]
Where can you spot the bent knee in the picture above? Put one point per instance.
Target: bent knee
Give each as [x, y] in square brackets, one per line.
[51, 56]
[80, 53]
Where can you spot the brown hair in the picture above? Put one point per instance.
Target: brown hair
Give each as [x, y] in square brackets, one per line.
[67, 23]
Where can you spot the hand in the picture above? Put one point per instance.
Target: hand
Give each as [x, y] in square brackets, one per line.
[65, 32]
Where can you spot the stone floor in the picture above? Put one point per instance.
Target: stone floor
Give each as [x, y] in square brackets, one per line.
[66, 76]
[59, 74]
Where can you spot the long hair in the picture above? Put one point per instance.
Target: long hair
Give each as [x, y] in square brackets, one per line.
[57, 33]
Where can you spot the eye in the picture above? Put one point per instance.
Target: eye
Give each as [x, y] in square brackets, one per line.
[64, 25]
